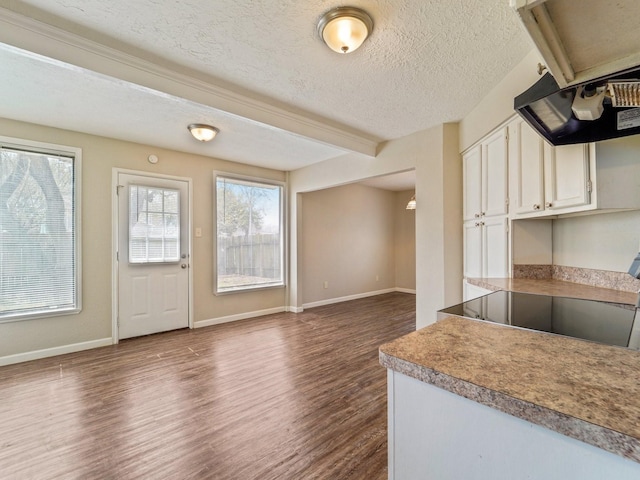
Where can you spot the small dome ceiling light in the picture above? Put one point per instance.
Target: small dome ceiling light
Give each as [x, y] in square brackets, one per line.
[344, 29]
[202, 132]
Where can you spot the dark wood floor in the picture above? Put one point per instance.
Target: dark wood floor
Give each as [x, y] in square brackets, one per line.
[285, 396]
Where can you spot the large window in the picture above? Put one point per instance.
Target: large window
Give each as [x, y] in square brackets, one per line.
[39, 259]
[249, 234]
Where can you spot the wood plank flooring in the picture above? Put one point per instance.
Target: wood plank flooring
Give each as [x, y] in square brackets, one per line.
[285, 396]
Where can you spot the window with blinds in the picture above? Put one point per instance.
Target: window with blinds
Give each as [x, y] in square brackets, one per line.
[39, 244]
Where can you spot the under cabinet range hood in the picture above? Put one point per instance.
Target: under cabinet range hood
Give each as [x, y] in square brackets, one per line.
[591, 49]
[597, 110]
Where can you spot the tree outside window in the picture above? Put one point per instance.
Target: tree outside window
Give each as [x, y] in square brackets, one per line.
[248, 234]
[38, 241]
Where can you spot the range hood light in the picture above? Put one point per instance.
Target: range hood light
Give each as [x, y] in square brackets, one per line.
[587, 104]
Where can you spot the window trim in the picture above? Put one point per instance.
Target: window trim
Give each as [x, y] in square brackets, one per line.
[76, 154]
[283, 231]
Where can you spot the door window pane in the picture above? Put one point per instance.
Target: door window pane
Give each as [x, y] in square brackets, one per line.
[249, 234]
[154, 224]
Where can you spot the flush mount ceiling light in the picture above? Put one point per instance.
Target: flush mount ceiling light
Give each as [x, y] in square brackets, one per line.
[203, 132]
[412, 203]
[344, 29]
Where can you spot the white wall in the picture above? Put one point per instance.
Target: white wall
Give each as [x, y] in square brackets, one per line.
[348, 238]
[99, 156]
[606, 241]
[603, 242]
[497, 106]
[433, 153]
[405, 242]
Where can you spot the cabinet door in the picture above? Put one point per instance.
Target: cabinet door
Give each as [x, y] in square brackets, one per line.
[472, 183]
[472, 249]
[495, 247]
[526, 158]
[566, 176]
[494, 174]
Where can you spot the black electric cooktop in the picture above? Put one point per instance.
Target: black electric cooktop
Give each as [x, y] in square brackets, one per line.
[600, 322]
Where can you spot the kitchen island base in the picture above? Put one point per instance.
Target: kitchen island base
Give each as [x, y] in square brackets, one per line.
[436, 434]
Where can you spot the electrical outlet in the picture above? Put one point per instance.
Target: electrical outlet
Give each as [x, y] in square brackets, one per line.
[198, 232]
[326, 284]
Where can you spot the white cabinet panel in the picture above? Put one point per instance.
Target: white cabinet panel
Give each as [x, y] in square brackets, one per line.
[526, 159]
[547, 180]
[567, 176]
[471, 167]
[494, 175]
[486, 248]
[436, 434]
[486, 207]
[473, 250]
[495, 247]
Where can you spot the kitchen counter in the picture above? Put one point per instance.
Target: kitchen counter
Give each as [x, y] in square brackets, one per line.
[558, 288]
[584, 390]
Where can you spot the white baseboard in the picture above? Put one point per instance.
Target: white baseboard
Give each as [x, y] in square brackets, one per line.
[405, 290]
[239, 316]
[330, 301]
[295, 309]
[52, 352]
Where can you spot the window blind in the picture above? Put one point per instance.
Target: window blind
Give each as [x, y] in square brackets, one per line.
[38, 241]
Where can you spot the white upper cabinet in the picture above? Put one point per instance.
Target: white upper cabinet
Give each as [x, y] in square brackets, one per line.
[485, 178]
[472, 171]
[547, 180]
[494, 175]
[567, 181]
[526, 158]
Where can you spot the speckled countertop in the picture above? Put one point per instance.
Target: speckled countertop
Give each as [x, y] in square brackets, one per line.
[557, 288]
[581, 389]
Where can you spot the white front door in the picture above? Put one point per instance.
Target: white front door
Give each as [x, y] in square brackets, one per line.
[152, 254]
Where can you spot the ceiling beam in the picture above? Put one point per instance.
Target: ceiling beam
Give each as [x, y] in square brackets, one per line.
[52, 42]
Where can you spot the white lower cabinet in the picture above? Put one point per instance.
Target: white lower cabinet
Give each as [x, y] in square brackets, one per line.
[486, 248]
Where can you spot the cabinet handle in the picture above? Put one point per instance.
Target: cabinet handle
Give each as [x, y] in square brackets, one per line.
[548, 204]
[482, 224]
[477, 224]
[482, 214]
[477, 215]
[536, 206]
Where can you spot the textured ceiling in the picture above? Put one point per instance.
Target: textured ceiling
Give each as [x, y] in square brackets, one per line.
[427, 62]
